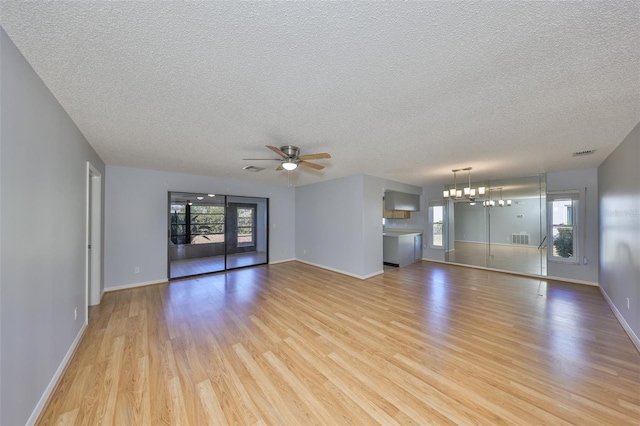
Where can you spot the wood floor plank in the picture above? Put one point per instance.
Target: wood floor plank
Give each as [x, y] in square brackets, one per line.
[295, 344]
[210, 403]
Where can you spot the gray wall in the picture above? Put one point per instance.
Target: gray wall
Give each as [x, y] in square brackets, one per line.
[329, 223]
[43, 168]
[136, 220]
[339, 223]
[618, 183]
[578, 180]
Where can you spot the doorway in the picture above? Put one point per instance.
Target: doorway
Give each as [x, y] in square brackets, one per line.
[213, 233]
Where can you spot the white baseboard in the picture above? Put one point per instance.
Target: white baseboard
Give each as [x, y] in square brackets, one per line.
[281, 261]
[569, 280]
[621, 319]
[364, 277]
[54, 380]
[134, 285]
[360, 277]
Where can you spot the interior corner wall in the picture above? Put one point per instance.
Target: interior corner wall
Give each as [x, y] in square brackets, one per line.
[328, 224]
[579, 180]
[136, 221]
[43, 186]
[618, 178]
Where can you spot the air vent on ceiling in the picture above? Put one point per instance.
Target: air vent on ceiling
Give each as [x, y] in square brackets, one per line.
[253, 168]
[583, 153]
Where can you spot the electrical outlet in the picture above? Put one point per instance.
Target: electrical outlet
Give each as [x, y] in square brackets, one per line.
[628, 305]
[75, 313]
[136, 270]
[304, 252]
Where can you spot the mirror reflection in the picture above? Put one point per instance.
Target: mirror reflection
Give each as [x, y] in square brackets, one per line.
[504, 229]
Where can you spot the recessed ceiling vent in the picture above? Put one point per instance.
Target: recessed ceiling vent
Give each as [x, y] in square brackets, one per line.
[583, 153]
[253, 169]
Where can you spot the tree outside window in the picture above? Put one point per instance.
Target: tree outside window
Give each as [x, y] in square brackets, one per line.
[563, 226]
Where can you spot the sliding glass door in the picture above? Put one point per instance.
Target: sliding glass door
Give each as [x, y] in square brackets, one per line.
[212, 233]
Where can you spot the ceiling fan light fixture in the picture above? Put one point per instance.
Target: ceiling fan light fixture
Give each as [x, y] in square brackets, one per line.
[289, 165]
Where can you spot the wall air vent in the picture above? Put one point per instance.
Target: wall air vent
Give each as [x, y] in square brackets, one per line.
[583, 153]
[253, 169]
[520, 239]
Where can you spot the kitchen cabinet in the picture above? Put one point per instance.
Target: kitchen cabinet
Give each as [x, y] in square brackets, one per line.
[401, 249]
[394, 200]
[396, 214]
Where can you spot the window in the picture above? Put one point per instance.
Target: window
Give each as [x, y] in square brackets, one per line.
[563, 231]
[178, 223]
[436, 225]
[246, 223]
[196, 224]
[206, 224]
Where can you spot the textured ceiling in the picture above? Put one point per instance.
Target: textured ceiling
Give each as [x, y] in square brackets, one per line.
[405, 91]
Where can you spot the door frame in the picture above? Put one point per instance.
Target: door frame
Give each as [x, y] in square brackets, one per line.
[93, 247]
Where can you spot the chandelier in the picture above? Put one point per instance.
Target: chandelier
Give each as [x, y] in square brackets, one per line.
[501, 201]
[466, 192]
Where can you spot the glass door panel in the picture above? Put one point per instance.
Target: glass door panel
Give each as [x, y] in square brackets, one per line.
[196, 234]
[246, 230]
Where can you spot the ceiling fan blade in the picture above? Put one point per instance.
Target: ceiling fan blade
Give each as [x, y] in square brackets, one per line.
[260, 159]
[280, 167]
[277, 151]
[315, 156]
[311, 165]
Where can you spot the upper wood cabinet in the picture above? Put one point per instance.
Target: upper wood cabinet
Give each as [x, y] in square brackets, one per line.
[396, 214]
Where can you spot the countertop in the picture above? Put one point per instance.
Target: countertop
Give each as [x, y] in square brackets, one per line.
[399, 233]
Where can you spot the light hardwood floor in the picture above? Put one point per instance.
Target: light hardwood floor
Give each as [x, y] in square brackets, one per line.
[205, 265]
[291, 344]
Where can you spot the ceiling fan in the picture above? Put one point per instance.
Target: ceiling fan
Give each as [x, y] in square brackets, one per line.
[290, 158]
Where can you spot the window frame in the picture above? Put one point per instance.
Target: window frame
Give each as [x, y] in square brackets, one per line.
[572, 222]
[432, 223]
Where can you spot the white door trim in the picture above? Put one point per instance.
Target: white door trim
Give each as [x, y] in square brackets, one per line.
[93, 262]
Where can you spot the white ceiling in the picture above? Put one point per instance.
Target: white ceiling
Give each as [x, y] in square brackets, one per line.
[404, 91]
